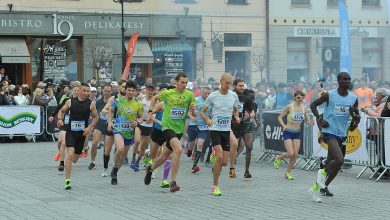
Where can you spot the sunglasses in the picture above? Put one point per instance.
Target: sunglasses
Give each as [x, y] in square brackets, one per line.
[299, 97]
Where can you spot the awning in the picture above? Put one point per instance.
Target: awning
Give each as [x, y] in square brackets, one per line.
[142, 53]
[14, 50]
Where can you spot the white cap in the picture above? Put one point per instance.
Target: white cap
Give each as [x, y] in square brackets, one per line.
[93, 89]
[190, 85]
[114, 83]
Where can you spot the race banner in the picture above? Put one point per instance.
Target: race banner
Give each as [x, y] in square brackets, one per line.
[273, 132]
[129, 54]
[356, 142]
[345, 39]
[387, 142]
[20, 119]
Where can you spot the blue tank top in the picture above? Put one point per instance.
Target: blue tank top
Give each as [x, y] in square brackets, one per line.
[158, 117]
[336, 113]
[199, 105]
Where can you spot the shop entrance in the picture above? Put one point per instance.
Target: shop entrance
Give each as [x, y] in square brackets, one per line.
[237, 63]
[15, 72]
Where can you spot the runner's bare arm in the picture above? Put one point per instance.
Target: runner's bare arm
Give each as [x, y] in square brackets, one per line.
[204, 117]
[62, 111]
[355, 116]
[106, 108]
[95, 115]
[313, 106]
[236, 114]
[281, 115]
[110, 115]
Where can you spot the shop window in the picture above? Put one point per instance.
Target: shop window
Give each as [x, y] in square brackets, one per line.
[237, 2]
[332, 3]
[54, 59]
[186, 1]
[370, 3]
[330, 58]
[300, 2]
[237, 40]
[297, 59]
[372, 56]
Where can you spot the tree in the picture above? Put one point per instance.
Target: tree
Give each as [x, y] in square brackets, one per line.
[101, 54]
[259, 57]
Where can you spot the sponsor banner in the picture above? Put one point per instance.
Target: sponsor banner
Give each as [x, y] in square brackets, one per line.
[130, 53]
[387, 142]
[20, 120]
[345, 40]
[356, 143]
[273, 132]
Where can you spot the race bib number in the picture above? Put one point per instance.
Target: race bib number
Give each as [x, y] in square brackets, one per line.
[203, 128]
[298, 117]
[341, 110]
[178, 113]
[66, 119]
[103, 116]
[126, 126]
[240, 107]
[222, 122]
[77, 125]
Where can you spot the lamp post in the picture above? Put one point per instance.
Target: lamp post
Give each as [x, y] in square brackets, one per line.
[123, 30]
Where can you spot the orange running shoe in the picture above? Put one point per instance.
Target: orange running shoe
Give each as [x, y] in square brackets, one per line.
[232, 173]
[56, 157]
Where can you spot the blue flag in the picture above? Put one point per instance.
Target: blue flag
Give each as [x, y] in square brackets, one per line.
[345, 40]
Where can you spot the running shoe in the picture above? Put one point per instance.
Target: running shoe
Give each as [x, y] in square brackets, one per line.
[173, 187]
[247, 175]
[277, 163]
[67, 184]
[132, 164]
[232, 173]
[154, 173]
[56, 157]
[126, 161]
[164, 184]
[100, 145]
[189, 153]
[92, 166]
[61, 168]
[136, 167]
[315, 195]
[288, 176]
[105, 173]
[196, 169]
[207, 163]
[216, 191]
[114, 177]
[321, 176]
[148, 176]
[325, 192]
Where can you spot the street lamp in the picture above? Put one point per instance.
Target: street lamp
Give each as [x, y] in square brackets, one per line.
[124, 30]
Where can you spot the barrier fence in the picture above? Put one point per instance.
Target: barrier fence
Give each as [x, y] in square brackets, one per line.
[368, 146]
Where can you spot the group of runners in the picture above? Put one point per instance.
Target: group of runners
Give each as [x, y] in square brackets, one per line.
[225, 118]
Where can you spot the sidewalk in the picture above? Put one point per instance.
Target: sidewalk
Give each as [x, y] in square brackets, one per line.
[32, 188]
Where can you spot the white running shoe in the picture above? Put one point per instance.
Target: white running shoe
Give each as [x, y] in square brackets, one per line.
[105, 173]
[321, 179]
[154, 173]
[315, 195]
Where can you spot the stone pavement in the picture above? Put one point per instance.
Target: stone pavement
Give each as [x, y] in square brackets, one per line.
[32, 188]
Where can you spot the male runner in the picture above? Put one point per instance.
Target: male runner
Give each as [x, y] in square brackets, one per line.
[101, 126]
[341, 103]
[223, 103]
[80, 110]
[177, 104]
[128, 109]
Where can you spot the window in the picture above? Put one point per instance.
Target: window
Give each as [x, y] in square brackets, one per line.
[237, 2]
[332, 3]
[237, 40]
[372, 58]
[186, 1]
[297, 59]
[370, 3]
[300, 2]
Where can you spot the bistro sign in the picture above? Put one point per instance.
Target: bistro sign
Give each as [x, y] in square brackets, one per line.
[334, 32]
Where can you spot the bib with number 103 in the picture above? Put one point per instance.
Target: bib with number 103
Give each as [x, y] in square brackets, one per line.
[77, 125]
[222, 122]
[178, 113]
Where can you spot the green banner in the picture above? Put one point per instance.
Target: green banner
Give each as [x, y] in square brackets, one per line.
[17, 119]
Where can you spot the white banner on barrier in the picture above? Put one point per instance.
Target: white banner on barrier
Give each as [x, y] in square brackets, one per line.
[387, 142]
[20, 120]
[356, 143]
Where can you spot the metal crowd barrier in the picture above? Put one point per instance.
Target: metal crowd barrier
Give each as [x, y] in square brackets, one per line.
[13, 119]
[375, 145]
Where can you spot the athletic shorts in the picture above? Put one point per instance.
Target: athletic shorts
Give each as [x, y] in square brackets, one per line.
[247, 128]
[220, 138]
[75, 140]
[238, 131]
[145, 131]
[157, 136]
[291, 135]
[203, 134]
[126, 141]
[192, 132]
[102, 127]
[169, 135]
[340, 140]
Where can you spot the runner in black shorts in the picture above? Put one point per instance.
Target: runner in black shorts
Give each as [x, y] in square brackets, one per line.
[80, 110]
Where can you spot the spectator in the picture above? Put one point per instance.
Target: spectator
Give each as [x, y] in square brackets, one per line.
[365, 95]
[50, 93]
[140, 79]
[2, 74]
[270, 101]
[19, 98]
[40, 98]
[282, 97]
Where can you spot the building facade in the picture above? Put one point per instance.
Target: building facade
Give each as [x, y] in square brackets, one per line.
[79, 39]
[304, 39]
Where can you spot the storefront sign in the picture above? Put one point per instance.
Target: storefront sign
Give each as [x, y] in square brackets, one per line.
[334, 32]
[20, 120]
[173, 63]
